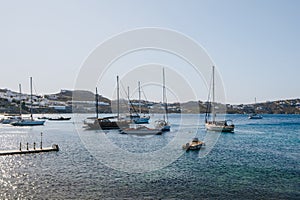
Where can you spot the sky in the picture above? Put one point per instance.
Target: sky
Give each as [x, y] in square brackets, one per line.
[254, 44]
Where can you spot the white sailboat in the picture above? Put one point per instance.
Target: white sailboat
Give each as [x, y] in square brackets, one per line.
[30, 121]
[212, 124]
[255, 115]
[164, 124]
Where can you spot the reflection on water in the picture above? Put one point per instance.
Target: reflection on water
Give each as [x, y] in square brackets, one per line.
[260, 160]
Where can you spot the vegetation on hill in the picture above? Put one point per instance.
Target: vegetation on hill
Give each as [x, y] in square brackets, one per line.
[84, 101]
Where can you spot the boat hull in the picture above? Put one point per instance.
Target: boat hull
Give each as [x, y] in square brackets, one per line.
[141, 131]
[194, 145]
[219, 128]
[28, 123]
[166, 128]
[10, 120]
[60, 119]
[255, 117]
[163, 125]
[107, 125]
[142, 120]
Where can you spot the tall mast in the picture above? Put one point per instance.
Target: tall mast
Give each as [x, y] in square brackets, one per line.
[213, 94]
[128, 98]
[118, 106]
[140, 109]
[254, 105]
[164, 96]
[31, 98]
[97, 111]
[20, 99]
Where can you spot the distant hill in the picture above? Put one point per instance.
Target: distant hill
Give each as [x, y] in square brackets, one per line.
[9, 103]
[78, 95]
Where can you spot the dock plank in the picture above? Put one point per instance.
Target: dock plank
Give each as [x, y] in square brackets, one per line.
[38, 150]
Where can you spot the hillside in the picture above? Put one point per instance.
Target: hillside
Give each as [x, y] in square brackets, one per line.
[84, 101]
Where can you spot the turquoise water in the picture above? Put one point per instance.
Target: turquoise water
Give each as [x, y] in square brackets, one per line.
[261, 160]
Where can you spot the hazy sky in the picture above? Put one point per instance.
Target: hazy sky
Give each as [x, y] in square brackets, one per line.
[254, 44]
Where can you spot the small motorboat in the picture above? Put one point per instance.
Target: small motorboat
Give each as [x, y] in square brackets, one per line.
[196, 144]
[59, 119]
[255, 116]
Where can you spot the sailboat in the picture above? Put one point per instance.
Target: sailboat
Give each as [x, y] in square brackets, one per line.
[107, 123]
[137, 129]
[212, 124]
[30, 121]
[255, 115]
[140, 119]
[163, 124]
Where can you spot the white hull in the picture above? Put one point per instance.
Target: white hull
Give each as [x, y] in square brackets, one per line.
[255, 116]
[219, 128]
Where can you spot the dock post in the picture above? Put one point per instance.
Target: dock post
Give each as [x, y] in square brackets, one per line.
[41, 140]
[20, 146]
[27, 146]
[34, 145]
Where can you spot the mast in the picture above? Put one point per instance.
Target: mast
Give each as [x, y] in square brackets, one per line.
[31, 99]
[254, 105]
[118, 106]
[140, 109]
[20, 94]
[96, 99]
[131, 106]
[164, 96]
[213, 94]
[128, 97]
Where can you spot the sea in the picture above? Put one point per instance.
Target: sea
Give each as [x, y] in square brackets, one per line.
[260, 160]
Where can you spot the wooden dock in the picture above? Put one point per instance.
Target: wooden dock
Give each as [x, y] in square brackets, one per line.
[37, 150]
